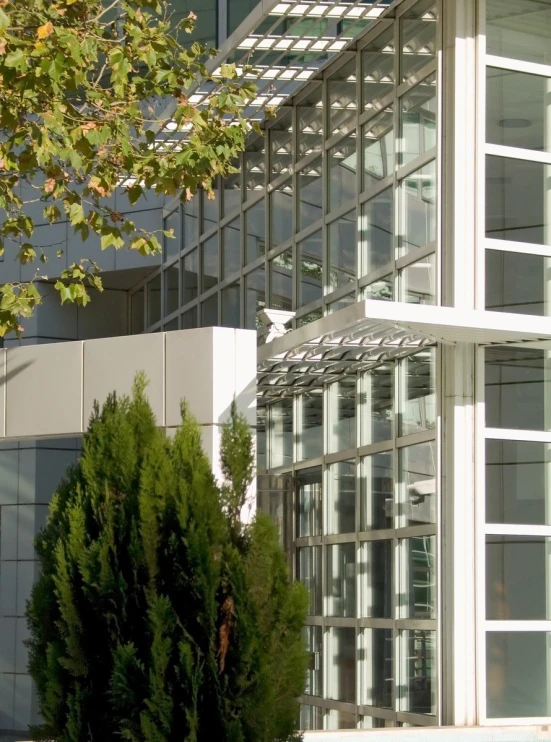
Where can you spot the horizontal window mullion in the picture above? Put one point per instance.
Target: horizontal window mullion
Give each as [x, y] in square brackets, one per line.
[518, 153]
[508, 434]
[517, 65]
[526, 248]
[514, 626]
[414, 255]
[419, 162]
[513, 529]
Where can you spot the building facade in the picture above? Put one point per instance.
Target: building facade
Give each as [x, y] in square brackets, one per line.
[397, 214]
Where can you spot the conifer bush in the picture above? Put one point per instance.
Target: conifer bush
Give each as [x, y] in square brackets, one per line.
[158, 615]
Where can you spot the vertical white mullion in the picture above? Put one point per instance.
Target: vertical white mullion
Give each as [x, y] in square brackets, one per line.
[480, 545]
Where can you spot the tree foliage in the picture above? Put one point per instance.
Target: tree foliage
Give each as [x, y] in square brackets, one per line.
[85, 87]
[157, 616]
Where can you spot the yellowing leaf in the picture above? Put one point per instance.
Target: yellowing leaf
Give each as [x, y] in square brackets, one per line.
[46, 30]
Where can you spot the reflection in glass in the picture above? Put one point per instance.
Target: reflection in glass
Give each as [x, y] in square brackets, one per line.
[281, 222]
[311, 718]
[231, 310]
[377, 492]
[518, 485]
[341, 498]
[170, 326]
[341, 664]
[255, 231]
[517, 206]
[191, 221]
[209, 311]
[172, 245]
[519, 30]
[342, 414]
[309, 573]
[137, 311]
[190, 276]
[342, 251]
[310, 123]
[281, 146]
[255, 167]
[232, 192]
[314, 646]
[418, 120]
[419, 281]
[342, 303]
[341, 580]
[342, 172]
[309, 489]
[516, 109]
[518, 673]
[518, 283]
[172, 290]
[341, 92]
[418, 37]
[418, 687]
[381, 290]
[374, 722]
[281, 281]
[280, 432]
[375, 579]
[211, 272]
[310, 194]
[378, 148]
[418, 478]
[189, 319]
[378, 68]
[510, 560]
[255, 297]
[310, 433]
[377, 404]
[377, 232]
[231, 248]
[340, 719]
[419, 574]
[310, 317]
[154, 300]
[517, 388]
[418, 403]
[376, 657]
[418, 208]
[310, 257]
[261, 416]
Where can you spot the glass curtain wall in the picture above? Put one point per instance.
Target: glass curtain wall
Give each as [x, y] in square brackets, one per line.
[517, 528]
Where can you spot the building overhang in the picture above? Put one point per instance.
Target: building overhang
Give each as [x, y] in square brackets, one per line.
[369, 333]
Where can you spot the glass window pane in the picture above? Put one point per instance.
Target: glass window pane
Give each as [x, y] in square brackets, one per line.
[378, 68]
[382, 290]
[342, 97]
[341, 664]
[190, 277]
[341, 498]
[310, 317]
[255, 231]
[419, 686]
[211, 271]
[340, 719]
[373, 722]
[137, 311]
[519, 31]
[310, 434]
[518, 672]
[232, 192]
[418, 479]
[510, 560]
[191, 221]
[418, 208]
[154, 300]
[342, 415]
[309, 573]
[378, 148]
[280, 433]
[255, 297]
[231, 310]
[517, 206]
[418, 120]
[418, 37]
[341, 580]
[209, 312]
[309, 489]
[255, 167]
[314, 647]
[310, 123]
[517, 387]
[376, 579]
[281, 201]
[419, 575]
[516, 113]
[377, 404]
[281, 146]
[377, 232]
[231, 248]
[376, 657]
[377, 492]
[341, 303]
[172, 290]
[419, 281]
[281, 281]
[310, 194]
[211, 207]
[172, 245]
[189, 319]
[342, 172]
[518, 482]
[310, 254]
[172, 325]
[518, 283]
[342, 251]
[261, 453]
[418, 403]
[311, 718]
